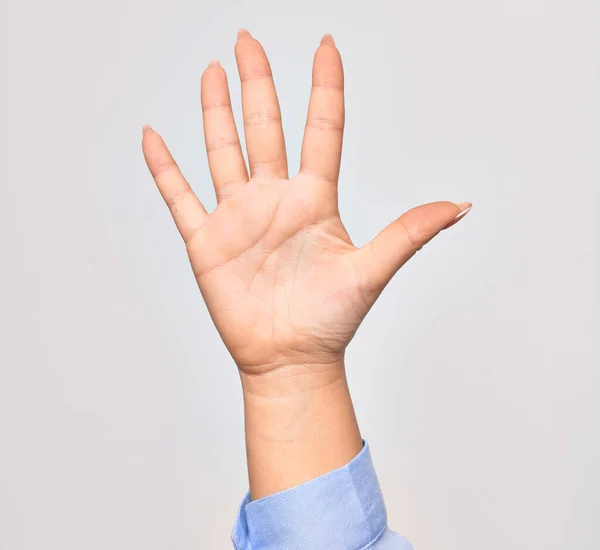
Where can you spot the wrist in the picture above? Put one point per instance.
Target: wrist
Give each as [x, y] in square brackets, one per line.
[288, 379]
[300, 424]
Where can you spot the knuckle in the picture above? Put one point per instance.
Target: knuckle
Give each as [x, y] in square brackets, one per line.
[175, 198]
[415, 241]
[213, 103]
[262, 118]
[162, 165]
[328, 86]
[255, 74]
[326, 123]
[213, 145]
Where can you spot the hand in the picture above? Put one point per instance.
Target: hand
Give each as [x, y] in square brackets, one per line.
[281, 278]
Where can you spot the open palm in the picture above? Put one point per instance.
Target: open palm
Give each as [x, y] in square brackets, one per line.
[281, 278]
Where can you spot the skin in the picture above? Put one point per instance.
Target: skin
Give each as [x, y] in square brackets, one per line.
[283, 283]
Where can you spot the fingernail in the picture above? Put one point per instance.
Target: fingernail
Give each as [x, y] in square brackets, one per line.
[243, 33]
[328, 39]
[214, 63]
[146, 128]
[465, 207]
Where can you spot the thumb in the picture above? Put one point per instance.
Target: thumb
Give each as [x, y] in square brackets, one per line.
[381, 258]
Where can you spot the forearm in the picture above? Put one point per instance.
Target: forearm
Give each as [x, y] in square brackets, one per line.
[300, 424]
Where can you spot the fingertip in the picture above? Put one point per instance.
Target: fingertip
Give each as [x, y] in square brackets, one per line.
[327, 39]
[243, 33]
[213, 64]
[464, 209]
[146, 129]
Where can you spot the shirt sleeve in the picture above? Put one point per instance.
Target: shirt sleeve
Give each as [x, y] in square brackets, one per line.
[341, 510]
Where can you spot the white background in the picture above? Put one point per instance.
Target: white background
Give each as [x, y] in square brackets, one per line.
[476, 376]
